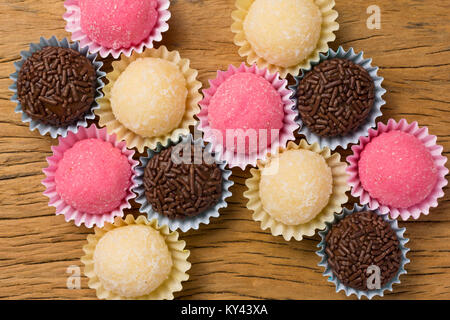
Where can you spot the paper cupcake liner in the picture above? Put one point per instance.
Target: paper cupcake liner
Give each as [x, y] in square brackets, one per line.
[362, 130]
[337, 198]
[241, 160]
[429, 142]
[329, 26]
[132, 139]
[73, 25]
[167, 288]
[55, 131]
[329, 273]
[56, 201]
[187, 223]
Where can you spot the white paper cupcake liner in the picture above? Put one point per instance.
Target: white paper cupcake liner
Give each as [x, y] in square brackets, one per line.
[362, 130]
[187, 223]
[55, 200]
[55, 131]
[72, 16]
[286, 133]
[348, 290]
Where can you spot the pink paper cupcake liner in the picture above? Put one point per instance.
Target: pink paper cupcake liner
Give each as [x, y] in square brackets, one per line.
[69, 212]
[72, 16]
[235, 159]
[429, 142]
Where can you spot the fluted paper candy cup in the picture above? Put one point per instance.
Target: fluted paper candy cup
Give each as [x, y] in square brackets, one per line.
[328, 27]
[179, 255]
[70, 213]
[73, 25]
[55, 131]
[233, 158]
[375, 112]
[134, 140]
[329, 273]
[429, 141]
[335, 202]
[188, 222]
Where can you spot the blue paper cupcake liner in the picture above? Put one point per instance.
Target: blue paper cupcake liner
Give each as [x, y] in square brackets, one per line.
[362, 130]
[329, 273]
[188, 222]
[55, 131]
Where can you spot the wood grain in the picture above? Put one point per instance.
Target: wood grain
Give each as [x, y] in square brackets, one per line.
[232, 257]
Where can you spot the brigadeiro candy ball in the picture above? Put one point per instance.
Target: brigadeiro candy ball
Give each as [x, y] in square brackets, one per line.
[335, 97]
[181, 190]
[246, 101]
[56, 86]
[118, 24]
[397, 169]
[93, 176]
[360, 240]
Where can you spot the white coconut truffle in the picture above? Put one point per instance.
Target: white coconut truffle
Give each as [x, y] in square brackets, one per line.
[132, 261]
[283, 32]
[149, 97]
[295, 186]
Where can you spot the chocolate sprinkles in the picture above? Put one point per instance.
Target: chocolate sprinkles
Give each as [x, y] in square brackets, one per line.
[358, 241]
[335, 97]
[56, 86]
[181, 190]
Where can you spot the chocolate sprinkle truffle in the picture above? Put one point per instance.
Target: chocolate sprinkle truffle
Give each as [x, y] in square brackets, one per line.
[56, 86]
[335, 97]
[358, 241]
[185, 189]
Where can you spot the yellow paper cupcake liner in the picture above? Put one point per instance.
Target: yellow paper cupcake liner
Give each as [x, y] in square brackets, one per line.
[337, 198]
[328, 27]
[176, 247]
[132, 139]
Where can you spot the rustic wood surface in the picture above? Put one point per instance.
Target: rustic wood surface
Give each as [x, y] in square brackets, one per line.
[232, 258]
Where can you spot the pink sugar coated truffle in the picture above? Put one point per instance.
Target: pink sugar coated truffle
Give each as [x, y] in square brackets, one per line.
[93, 176]
[118, 24]
[246, 101]
[396, 169]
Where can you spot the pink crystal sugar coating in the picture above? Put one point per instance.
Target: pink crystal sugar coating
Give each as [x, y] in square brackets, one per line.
[396, 169]
[116, 24]
[93, 176]
[246, 101]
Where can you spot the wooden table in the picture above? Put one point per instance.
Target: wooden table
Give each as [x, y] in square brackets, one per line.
[232, 258]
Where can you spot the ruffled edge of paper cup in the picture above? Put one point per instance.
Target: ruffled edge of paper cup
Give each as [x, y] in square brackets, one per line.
[429, 141]
[375, 112]
[55, 131]
[189, 222]
[241, 160]
[329, 273]
[73, 25]
[329, 26]
[176, 247]
[133, 140]
[79, 218]
[337, 199]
